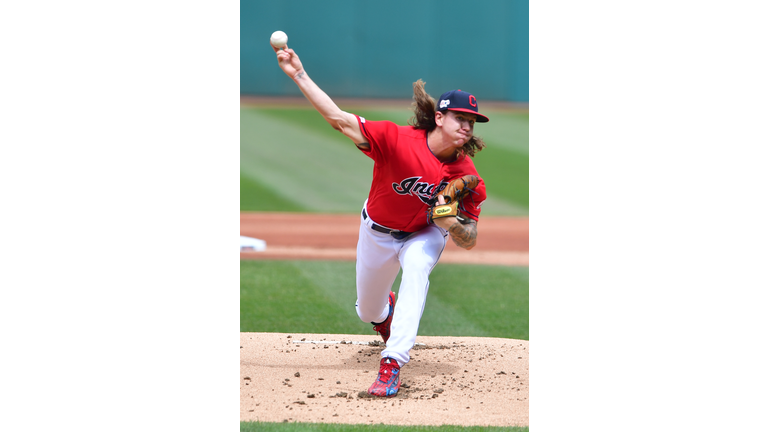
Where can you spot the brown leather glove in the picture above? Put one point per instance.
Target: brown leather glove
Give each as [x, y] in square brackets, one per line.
[453, 193]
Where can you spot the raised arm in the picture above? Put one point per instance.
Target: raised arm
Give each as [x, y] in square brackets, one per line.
[342, 121]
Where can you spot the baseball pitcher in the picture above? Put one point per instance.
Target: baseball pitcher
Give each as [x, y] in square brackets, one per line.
[425, 187]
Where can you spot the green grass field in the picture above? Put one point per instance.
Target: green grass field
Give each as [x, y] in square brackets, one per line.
[319, 297]
[292, 158]
[326, 427]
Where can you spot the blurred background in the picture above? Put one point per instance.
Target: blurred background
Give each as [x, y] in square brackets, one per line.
[375, 49]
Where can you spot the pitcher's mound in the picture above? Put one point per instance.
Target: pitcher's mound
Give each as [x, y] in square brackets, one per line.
[322, 378]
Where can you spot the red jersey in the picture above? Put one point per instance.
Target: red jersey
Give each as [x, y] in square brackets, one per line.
[406, 173]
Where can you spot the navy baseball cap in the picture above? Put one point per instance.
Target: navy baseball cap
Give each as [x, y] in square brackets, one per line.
[457, 100]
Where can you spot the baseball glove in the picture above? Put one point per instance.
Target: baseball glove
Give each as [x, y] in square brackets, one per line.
[453, 193]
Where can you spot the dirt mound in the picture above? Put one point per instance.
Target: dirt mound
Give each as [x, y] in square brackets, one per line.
[322, 378]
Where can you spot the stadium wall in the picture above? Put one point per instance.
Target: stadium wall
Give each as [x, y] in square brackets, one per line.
[375, 49]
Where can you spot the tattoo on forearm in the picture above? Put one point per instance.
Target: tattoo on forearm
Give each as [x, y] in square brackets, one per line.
[299, 75]
[464, 234]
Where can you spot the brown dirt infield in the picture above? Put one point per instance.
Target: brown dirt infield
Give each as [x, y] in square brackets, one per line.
[317, 378]
[500, 240]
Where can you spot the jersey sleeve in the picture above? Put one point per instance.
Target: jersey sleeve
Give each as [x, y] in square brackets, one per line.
[381, 135]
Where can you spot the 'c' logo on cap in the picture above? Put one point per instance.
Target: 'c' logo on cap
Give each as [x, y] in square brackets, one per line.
[472, 101]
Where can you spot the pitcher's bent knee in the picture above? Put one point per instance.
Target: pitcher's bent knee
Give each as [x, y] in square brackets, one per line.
[367, 314]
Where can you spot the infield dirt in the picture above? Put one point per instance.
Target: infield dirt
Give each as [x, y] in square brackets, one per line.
[500, 240]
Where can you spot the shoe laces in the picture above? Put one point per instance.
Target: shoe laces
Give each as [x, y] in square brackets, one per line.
[379, 327]
[388, 365]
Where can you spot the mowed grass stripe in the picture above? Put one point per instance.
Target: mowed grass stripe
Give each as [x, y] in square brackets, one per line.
[506, 130]
[254, 196]
[493, 298]
[442, 318]
[397, 116]
[319, 297]
[276, 297]
[337, 282]
[334, 427]
[308, 120]
[303, 167]
[505, 173]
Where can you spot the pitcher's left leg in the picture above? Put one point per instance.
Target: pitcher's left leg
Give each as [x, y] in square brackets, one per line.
[418, 257]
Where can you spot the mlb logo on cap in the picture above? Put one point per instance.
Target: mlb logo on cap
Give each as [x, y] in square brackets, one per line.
[457, 100]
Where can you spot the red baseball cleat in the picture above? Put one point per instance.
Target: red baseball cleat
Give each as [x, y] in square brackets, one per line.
[383, 328]
[388, 382]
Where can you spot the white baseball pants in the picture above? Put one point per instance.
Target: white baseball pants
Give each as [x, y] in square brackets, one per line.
[379, 258]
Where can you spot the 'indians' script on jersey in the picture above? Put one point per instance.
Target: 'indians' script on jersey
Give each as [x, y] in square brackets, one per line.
[412, 186]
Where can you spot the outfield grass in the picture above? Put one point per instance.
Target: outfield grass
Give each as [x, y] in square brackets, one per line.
[319, 297]
[330, 427]
[302, 163]
[254, 195]
[291, 157]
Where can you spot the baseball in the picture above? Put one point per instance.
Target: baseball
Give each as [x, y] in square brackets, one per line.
[278, 39]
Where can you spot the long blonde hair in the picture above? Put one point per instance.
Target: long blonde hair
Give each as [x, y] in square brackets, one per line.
[424, 118]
